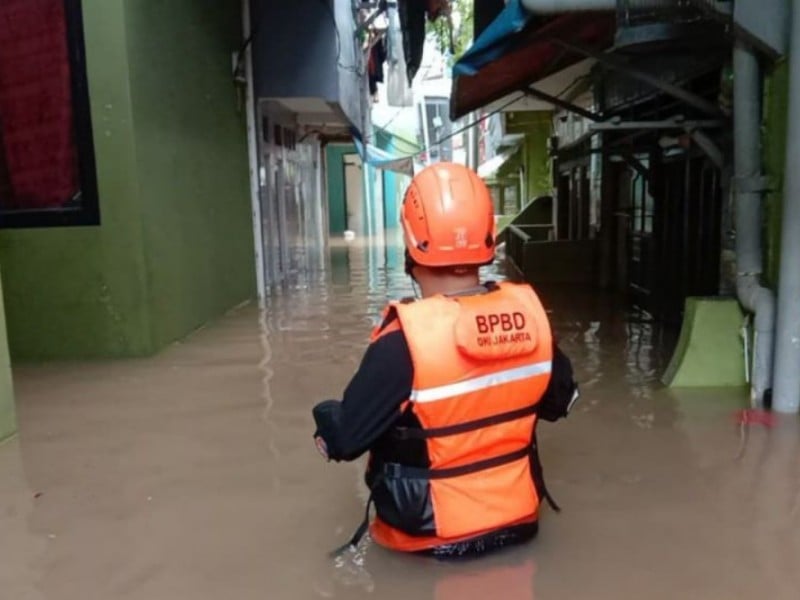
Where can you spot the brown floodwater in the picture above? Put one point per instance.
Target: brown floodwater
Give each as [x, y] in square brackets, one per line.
[192, 475]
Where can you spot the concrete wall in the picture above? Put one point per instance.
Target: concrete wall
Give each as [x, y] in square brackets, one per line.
[174, 247]
[297, 53]
[294, 50]
[191, 153]
[7, 421]
[353, 92]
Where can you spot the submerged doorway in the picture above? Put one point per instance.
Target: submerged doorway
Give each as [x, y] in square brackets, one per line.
[354, 194]
[291, 199]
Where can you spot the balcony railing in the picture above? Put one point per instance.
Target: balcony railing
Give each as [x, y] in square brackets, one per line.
[631, 13]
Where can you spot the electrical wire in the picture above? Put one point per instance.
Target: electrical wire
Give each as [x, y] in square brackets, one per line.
[575, 82]
[464, 128]
[392, 120]
[400, 111]
[243, 49]
[247, 42]
[470, 125]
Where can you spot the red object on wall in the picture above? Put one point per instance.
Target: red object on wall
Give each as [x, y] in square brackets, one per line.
[752, 416]
[437, 8]
[36, 126]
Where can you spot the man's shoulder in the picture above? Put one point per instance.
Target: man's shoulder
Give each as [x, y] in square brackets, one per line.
[389, 346]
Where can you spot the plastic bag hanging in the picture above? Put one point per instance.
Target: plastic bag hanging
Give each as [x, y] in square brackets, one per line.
[398, 88]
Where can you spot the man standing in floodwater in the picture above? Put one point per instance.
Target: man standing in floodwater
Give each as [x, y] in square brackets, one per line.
[451, 388]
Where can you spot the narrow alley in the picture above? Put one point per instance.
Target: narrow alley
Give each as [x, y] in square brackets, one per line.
[205, 207]
[193, 474]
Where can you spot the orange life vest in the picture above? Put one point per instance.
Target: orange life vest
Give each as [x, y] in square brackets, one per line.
[467, 466]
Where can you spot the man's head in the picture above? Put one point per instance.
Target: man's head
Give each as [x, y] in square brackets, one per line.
[448, 223]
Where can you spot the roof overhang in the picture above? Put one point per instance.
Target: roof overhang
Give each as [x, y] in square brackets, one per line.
[510, 140]
[489, 169]
[526, 57]
[314, 111]
[568, 84]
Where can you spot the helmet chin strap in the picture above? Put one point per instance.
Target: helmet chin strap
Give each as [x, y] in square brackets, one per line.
[414, 287]
[409, 269]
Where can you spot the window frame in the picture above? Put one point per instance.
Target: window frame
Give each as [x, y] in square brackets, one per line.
[87, 213]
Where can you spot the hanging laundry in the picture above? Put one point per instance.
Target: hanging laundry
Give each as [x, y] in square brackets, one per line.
[377, 57]
[412, 24]
[413, 14]
[398, 88]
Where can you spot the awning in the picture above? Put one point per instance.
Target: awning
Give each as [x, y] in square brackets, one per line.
[495, 40]
[517, 50]
[489, 169]
[380, 159]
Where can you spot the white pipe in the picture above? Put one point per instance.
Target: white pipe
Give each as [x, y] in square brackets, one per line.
[252, 151]
[747, 167]
[555, 6]
[745, 333]
[761, 301]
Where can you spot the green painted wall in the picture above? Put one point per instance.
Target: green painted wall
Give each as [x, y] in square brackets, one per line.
[537, 164]
[78, 292]
[174, 247]
[8, 424]
[334, 163]
[775, 124]
[191, 153]
[537, 126]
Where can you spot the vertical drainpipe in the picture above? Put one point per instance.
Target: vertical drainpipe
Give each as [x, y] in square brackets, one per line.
[747, 176]
[786, 396]
[252, 152]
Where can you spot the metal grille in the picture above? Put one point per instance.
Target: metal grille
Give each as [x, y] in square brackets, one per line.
[642, 12]
[675, 67]
[719, 10]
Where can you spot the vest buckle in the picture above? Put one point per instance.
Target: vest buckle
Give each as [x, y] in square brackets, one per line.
[392, 470]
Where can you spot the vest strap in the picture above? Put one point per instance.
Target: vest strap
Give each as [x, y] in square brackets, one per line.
[538, 478]
[394, 470]
[418, 433]
[363, 527]
[397, 471]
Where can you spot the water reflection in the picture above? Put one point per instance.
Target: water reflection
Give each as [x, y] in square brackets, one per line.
[377, 573]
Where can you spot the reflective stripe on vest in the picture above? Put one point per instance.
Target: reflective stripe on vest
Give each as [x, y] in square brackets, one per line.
[480, 383]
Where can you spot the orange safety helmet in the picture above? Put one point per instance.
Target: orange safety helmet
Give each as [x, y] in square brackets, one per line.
[448, 217]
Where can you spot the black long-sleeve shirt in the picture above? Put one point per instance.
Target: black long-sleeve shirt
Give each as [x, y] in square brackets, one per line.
[372, 401]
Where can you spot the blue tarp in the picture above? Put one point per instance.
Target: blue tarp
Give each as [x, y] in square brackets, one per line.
[493, 43]
[381, 159]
